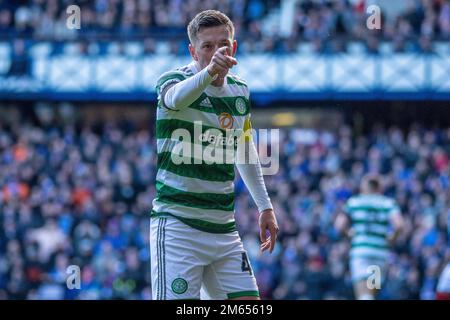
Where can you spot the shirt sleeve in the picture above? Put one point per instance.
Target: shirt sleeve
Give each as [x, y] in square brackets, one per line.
[185, 91]
[249, 168]
[165, 80]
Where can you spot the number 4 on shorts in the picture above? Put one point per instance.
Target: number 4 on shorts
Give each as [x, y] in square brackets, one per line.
[245, 264]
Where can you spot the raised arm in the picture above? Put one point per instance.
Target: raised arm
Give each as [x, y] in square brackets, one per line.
[181, 94]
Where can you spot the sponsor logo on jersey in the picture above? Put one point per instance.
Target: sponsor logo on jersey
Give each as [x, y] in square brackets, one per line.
[206, 103]
[226, 120]
[219, 139]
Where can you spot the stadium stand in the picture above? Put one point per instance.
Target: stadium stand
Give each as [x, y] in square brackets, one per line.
[77, 189]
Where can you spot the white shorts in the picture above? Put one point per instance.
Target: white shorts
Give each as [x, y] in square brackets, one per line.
[185, 261]
[363, 268]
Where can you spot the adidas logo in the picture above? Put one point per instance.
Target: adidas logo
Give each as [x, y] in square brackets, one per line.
[206, 103]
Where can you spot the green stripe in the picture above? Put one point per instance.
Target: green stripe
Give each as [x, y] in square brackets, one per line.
[231, 80]
[222, 104]
[214, 201]
[196, 105]
[203, 171]
[371, 222]
[371, 234]
[228, 104]
[369, 245]
[201, 225]
[166, 127]
[242, 294]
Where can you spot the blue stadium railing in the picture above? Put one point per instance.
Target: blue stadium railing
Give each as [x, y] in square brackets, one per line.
[41, 74]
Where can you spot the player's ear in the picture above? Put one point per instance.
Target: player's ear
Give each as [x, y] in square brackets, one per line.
[192, 52]
[233, 51]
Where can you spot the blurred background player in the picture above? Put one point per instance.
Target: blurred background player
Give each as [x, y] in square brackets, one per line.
[366, 221]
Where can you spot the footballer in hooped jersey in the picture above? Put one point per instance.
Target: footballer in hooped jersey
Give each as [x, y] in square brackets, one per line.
[196, 251]
[373, 222]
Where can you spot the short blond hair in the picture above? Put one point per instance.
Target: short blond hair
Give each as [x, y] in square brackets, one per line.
[206, 19]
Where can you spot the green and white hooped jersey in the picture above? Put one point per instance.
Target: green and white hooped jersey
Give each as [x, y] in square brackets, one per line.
[199, 191]
[370, 216]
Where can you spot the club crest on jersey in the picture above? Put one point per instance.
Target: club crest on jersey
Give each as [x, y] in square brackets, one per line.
[240, 105]
[179, 286]
[226, 120]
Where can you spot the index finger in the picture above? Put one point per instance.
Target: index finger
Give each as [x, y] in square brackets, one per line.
[273, 237]
[262, 233]
[224, 50]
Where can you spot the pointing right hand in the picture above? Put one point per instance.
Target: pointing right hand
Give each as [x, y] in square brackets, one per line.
[221, 62]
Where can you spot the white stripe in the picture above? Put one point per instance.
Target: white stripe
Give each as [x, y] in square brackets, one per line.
[192, 115]
[214, 216]
[373, 227]
[369, 239]
[370, 216]
[228, 90]
[192, 184]
[362, 251]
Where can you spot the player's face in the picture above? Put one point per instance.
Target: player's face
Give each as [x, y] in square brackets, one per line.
[207, 43]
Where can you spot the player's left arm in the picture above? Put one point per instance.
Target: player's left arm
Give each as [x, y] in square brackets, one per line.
[252, 176]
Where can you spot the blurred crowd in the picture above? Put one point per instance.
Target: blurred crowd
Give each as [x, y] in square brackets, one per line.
[79, 193]
[279, 26]
[74, 196]
[319, 171]
[122, 18]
